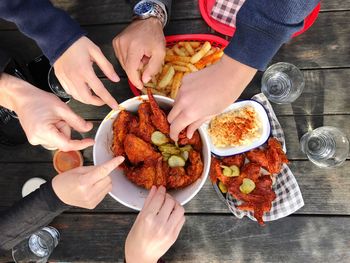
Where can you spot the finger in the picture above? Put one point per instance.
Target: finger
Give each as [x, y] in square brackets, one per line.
[132, 64]
[118, 53]
[157, 201]
[64, 143]
[64, 128]
[153, 66]
[180, 123]
[104, 64]
[167, 208]
[82, 93]
[194, 126]
[176, 216]
[104, 170]
[175, 111]
[178, 227]
[99, 89]
[74, 120]
[88, 98]
[150, 196]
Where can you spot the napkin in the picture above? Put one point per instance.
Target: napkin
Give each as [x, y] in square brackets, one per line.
[288, 195]
[225, 11]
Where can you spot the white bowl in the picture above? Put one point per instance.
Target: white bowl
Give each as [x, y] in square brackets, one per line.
[264, 131]
[126, 192]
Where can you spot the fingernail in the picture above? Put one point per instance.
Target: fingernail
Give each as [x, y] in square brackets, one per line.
[114, 77]
[146, 79]
[121, 159]
[115, 106]
[162, 189]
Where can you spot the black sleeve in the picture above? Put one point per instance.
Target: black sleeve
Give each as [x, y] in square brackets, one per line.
[28, 215]
[4, 60]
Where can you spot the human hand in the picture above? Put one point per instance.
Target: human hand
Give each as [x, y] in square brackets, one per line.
[156, 228]
[75, 72]
[206, 93]
[45, 119]
[85, 186]
[141, 43]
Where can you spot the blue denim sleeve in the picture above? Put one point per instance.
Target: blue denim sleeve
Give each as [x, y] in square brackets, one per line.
[52, 29]
[263, 26]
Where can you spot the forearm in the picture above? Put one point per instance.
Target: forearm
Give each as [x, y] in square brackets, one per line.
[263, 26]
[12, 90]
[52, 29]
[28, 215]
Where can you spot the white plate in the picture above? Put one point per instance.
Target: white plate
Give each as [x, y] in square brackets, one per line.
[265, 130]
[126, 192]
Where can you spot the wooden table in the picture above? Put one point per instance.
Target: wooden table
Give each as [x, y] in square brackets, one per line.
[319, 232]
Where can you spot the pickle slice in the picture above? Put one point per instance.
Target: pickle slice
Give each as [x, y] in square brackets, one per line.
[185, 155]
[226, 171]
[176, 161]
[169, 148]
[235, 170]
[159, 138]
[222, 188]
[247, 186]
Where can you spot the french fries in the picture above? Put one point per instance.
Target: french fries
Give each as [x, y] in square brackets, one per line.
[181, 59]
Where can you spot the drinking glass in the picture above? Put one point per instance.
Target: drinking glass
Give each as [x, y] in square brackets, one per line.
[325, 146]
[282, 83]
[38, 247]
[56, 86]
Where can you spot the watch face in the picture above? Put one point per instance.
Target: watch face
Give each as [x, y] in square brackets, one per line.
[143, 8]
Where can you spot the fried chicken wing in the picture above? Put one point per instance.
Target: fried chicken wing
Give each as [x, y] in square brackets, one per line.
[195, 141]
[148, 174]
[143, 175]
[258, 156]
[145, 127]
[120, 130]
[195, 167]
[275, 156]
[158, 116]
[137, 150]
[271, 158]
[237, 160]
[216, 173]
[180, 177]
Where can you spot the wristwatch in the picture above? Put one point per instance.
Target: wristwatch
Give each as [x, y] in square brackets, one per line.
[151, 8]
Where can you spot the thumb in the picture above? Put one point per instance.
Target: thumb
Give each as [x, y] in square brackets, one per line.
[103, 170]
[74, 120]
[153, 67]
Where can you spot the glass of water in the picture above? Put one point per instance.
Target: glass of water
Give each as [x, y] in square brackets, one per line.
[38, 247]
[325, 146]
[56, 86]
[282, 83]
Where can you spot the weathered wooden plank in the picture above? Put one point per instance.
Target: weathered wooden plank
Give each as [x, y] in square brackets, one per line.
[92, 12]
[331, 29]
[324, 191]
[209, 238]
[110, 11]
[329, 36]
[335, 5]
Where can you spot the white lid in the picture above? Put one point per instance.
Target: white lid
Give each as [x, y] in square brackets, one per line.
[31, 185]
